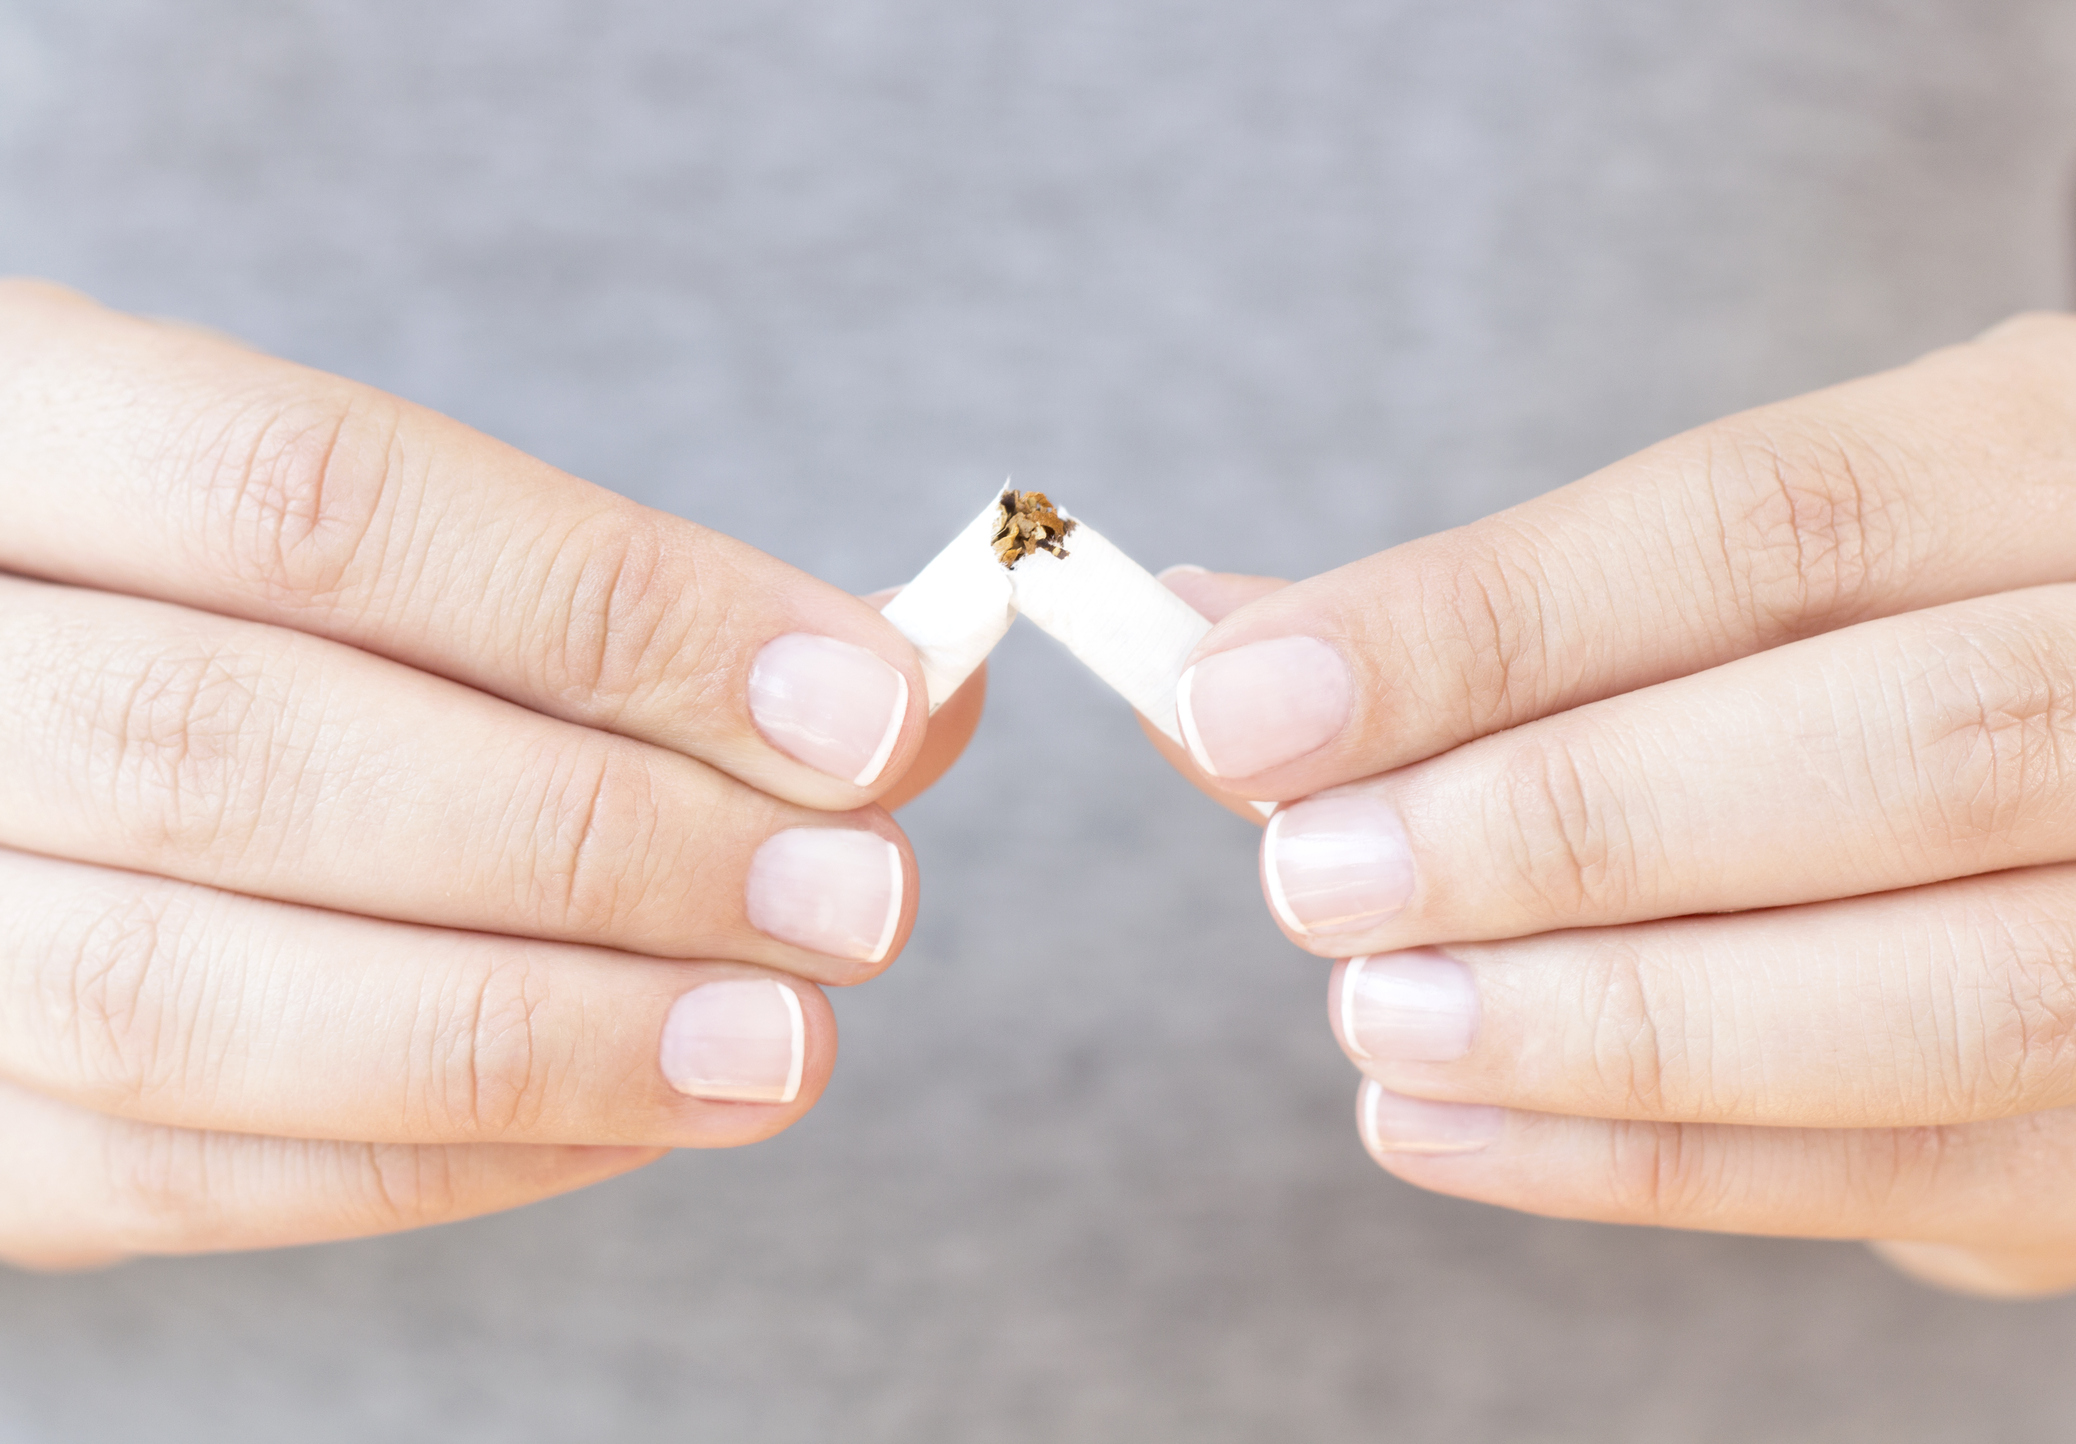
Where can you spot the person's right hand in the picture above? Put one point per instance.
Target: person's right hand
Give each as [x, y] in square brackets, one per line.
[392, 827]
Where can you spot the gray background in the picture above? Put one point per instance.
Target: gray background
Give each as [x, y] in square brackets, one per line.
[1343, 272]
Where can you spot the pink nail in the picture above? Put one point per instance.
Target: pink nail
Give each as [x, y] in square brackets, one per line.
[1336, 864]
[1394, 1123]
[836, 707]
[742, 1040]
[1261, 705]
[1410, 1007]
[828, 889]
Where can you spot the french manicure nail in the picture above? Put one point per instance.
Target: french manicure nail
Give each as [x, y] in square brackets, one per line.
[830, 890]
[1261, 705]
[836, 707]
[1336, 864]
[741, 1040]
[1394, 1123]
[1412, 1007]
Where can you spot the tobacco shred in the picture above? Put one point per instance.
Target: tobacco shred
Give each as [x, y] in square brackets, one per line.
[1029, 523]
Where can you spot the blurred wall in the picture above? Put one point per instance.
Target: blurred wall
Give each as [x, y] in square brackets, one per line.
[1259, 286]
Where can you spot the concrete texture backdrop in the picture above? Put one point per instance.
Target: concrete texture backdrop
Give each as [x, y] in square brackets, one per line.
[1258, 286]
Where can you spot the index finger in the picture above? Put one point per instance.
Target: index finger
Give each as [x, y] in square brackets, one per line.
[169, 463]
[1951, 478]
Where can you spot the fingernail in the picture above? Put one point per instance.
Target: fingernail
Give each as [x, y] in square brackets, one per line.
[1261, 705]
[1410, 1007]
[1394, 1123]
[741, 1040]
[1181, 569]
[828, 889]
[1336, 864]
[836, 707]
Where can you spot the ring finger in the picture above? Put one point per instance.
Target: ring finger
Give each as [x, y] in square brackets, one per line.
[1938, 1005]
[147, 736]
[2006, 1181]
[1891, 754]
[143, 998]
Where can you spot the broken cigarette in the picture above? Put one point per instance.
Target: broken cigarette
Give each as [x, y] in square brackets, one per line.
[1023, 554]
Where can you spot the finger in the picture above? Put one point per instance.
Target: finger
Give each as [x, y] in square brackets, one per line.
[82, 1187]
[2007, 1180]
[1951, 478]
[170, 1003]
[209, 475]
[1894, 753]
[1943, 1004]
[146, 736]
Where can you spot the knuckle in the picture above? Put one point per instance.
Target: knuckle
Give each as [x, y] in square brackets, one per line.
[165, 1188]
[1635, 1030]
[2010, 1021]
[1814, 522]
[108, 994]
[1890, 1170]
[595, 832]
[1659, 1173]
[1564, 834]
[1485, 622]
[632, 614]
[406, 1186]
[613, 622]
[180, 751]
[1992, 712]
[486, 1068]
[292, 488]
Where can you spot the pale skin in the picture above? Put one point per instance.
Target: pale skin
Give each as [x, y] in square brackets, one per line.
[376, 790]
[1735, 788]
[372, 793]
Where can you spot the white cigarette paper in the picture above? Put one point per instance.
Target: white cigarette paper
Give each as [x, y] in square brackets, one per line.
[1116, 617]
[1108, 610]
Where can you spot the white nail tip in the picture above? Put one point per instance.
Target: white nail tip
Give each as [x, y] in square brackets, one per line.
[1348, 978]
[897, 884]
[1428, 1150]
[878, 763]
[1274, 879]
[799, 1060]
[1186, 721]
[1373, 1132]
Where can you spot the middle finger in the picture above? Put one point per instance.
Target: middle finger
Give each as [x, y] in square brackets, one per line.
[1943, 1004]
[163, 1002]
[1895, 753]
[146, 736]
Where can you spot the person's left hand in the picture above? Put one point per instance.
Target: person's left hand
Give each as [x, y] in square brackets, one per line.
[1702, 836]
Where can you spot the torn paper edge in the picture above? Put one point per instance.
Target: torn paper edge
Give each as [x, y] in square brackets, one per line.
[1105, 608]
[957, 607]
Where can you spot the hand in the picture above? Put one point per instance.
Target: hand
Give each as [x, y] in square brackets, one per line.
[392, 827]
[1703, 834]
